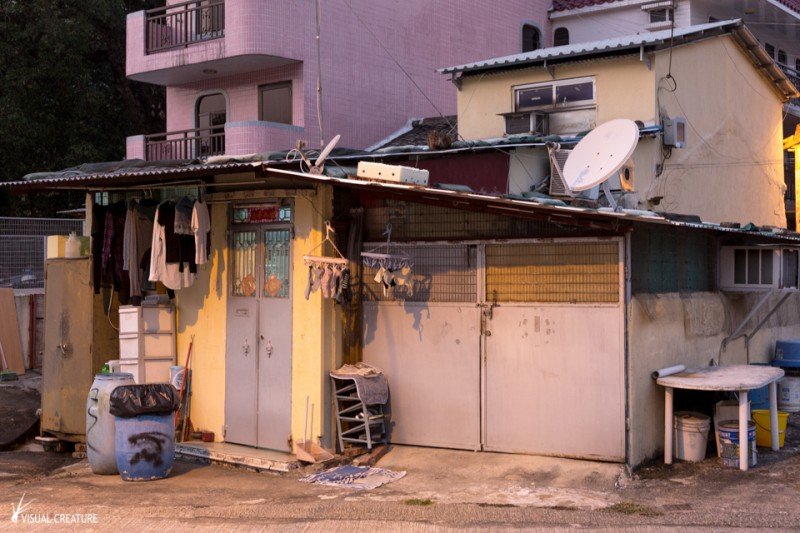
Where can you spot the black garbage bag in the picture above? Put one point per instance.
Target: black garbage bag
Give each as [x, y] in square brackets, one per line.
[128, 401]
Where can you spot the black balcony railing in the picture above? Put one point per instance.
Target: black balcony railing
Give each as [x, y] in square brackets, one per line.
[179, 25]
[185, 144]
[794, 77]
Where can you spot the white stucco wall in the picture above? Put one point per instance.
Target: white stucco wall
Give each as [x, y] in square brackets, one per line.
[669, 329]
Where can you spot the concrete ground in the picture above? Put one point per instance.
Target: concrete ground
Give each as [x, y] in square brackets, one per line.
[442, 490]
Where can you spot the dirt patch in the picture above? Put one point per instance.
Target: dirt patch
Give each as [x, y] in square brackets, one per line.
[18, 406]
[26, 466]
[632, 508]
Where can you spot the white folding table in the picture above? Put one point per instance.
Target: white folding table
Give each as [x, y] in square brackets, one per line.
[736, 378]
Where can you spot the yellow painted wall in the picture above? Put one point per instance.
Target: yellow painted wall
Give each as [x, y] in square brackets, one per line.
[625, 88]
[732, 168]
[202, 312]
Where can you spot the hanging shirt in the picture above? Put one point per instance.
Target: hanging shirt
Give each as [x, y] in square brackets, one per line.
[171, 274]
[138, 239]
[183, 216]
[201, 227]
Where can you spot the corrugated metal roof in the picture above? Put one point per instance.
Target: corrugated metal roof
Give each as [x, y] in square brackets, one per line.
[564, 5]
[512, 206]
[594, 47]
[758, 57]
[44, 180]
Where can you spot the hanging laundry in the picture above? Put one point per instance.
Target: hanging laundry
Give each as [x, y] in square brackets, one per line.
[183, 216]
[138, 238]
[113, 249]
[167, 250]
[201, 228]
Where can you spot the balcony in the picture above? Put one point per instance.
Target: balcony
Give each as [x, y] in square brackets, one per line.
[236, 138]
[203, 39]
[179, 25]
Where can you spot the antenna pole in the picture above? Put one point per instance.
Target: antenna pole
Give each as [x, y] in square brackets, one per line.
[319, 80]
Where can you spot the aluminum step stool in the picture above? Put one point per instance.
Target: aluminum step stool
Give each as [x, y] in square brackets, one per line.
[355, 422]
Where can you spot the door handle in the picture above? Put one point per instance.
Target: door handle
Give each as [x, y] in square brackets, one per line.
[64, 348]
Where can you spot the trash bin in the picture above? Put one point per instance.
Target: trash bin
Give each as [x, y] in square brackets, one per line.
[145, 430]
[100, 423]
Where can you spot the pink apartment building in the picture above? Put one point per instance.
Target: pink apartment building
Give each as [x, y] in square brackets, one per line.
[241, 75]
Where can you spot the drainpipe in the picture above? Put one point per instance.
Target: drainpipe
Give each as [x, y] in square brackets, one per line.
[627, 357]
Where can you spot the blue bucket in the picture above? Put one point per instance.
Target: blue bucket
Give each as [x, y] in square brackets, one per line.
[729, 439]
[145, 446]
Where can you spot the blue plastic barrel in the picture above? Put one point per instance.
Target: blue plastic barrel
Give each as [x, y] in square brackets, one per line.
[145, 446]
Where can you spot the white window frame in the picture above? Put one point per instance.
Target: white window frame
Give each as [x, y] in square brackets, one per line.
[555, 106]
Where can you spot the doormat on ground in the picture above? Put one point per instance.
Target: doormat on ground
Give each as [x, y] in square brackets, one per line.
[354, 477]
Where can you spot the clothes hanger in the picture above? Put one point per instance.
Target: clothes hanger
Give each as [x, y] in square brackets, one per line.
[374, 258]
[319, 260]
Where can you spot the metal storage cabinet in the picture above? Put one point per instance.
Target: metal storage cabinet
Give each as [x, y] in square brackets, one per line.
[78, 339]
[147, 342]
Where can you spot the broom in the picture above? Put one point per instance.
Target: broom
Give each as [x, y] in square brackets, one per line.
[182, 394]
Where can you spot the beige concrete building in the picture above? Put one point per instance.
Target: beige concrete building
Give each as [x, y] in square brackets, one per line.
[729, 92]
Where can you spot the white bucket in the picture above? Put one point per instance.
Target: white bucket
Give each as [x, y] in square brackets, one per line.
[690, 435]
[789, 394]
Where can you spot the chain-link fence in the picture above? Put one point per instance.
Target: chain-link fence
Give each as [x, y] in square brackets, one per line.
[23, 243]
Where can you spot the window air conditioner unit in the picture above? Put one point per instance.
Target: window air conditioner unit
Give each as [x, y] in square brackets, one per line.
[526, 123]
[758, 268]
[557, 185]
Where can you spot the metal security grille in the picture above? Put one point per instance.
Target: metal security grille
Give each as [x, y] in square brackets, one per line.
[441, 273]
[578, 272]
[22, 248]
[668, 261]
[419, 222]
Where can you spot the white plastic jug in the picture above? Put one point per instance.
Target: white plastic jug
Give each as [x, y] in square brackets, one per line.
[73, 246]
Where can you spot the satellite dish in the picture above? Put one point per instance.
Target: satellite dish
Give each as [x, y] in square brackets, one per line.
[599, 155]
[323, 155]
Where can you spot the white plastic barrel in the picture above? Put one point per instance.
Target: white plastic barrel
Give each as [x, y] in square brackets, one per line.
[100, 423]
[789, 394]
[691, 435]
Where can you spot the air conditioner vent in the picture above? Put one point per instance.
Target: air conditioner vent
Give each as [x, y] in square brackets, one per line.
[557, 186]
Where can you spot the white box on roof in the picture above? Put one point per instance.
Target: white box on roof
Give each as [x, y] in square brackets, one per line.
[393, 173]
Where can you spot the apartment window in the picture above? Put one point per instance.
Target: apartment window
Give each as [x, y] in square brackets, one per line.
[275, 102]
[561, 37]
[560, 94]
[661, 15]
[531, 38]
[770, 50]
[782, 59]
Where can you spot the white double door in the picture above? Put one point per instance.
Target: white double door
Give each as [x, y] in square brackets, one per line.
[259, 338]
[519, 377]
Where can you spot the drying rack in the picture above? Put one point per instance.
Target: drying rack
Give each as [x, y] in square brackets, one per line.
[376, 258]
[311, 259]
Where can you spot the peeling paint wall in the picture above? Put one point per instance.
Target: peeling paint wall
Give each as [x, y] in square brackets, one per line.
[668, 329]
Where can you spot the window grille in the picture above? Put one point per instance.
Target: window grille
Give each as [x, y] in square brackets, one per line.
[578, 272]
[441, 273]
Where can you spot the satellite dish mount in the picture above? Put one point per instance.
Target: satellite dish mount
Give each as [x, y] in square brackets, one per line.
[601, 154]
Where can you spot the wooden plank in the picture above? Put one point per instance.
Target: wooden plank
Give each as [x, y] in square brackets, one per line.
[369, 459]
[9, 333]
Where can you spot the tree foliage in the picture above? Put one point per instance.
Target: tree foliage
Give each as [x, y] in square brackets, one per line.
[64, 98]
